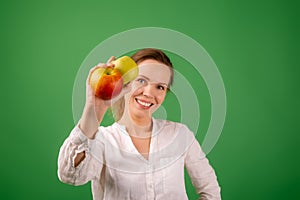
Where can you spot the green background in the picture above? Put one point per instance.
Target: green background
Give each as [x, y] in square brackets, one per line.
[255, 45]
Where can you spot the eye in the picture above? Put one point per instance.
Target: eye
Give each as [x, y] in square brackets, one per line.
[141, 81]
[160, 87]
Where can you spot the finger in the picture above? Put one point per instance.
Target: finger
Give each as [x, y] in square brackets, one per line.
[92, 70]
[112, 58]
[97, 67]
[100, 65]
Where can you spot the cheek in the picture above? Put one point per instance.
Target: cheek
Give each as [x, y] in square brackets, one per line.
[160, 98]
[136, 91]
[129, 97]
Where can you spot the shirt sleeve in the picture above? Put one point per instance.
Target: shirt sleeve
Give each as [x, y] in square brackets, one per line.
[201, 173]
[89, 169]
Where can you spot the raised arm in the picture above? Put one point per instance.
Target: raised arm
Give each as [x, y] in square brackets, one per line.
[94, 108]
[77, 163]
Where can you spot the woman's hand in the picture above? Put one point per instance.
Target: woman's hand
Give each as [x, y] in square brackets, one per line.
[92, 99]
[95, 108]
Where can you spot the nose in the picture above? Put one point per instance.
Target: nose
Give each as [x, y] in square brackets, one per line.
[148, 90]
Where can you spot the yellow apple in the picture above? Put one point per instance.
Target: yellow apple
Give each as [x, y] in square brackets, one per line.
[127, 67]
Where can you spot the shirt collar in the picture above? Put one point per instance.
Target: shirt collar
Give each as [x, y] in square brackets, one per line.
[157, 126]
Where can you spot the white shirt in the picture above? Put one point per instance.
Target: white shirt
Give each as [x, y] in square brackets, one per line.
[118, 171]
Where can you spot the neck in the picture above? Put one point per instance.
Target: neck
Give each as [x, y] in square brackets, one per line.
[137, 126]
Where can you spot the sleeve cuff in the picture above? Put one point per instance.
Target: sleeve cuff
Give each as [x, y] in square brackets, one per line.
[82, 143]
[77, 136]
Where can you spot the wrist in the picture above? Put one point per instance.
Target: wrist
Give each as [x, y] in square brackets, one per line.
[100, 104]
[96, 111]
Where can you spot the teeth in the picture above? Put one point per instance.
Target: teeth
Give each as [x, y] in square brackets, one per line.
[143, 103]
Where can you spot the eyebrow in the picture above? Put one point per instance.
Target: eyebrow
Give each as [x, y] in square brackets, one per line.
[145, 77]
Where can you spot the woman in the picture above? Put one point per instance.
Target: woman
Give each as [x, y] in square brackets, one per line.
[138, 157]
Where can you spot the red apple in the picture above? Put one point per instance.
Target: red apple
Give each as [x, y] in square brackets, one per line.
[106, 82]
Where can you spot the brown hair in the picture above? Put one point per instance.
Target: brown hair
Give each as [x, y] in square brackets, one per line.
[154, 54]
[141, 55]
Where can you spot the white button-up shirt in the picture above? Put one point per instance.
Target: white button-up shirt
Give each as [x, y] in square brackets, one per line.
[118, 171]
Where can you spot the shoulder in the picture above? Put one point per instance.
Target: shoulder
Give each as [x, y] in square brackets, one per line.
[175, 138]
[111, 132]
[171, 125]
[171, 128]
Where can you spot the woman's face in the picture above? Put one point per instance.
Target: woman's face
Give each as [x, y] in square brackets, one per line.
[148, 89]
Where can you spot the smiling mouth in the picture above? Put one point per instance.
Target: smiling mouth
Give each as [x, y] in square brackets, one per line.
[144, 104]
